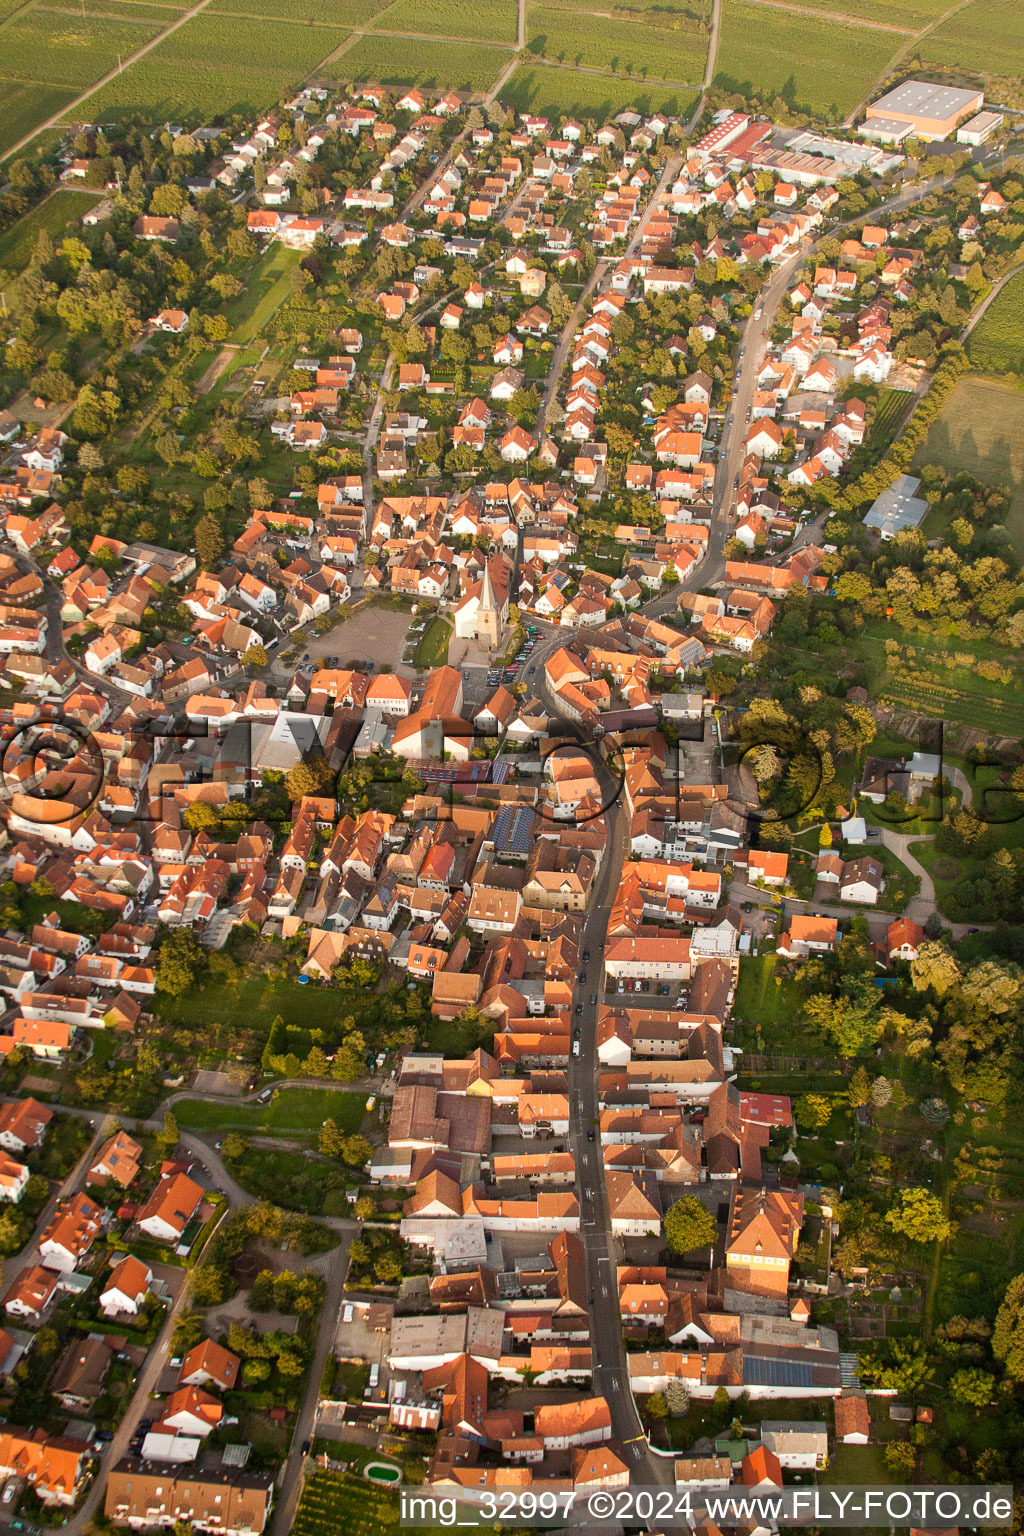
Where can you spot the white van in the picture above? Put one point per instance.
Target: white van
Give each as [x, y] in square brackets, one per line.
[348, 1313]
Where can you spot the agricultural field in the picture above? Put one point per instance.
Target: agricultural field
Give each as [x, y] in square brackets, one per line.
[594, 42]
[981, 429]
[986, 36]
[942, 677]
[217, 64]
[822, 67]
[409, 61]
[997, 341]
[540, 88]
[23, 106]
[666, 11]
[61, 48]
[493, 20]
[904, 15]
[331, 1502]
[61, 209]
[891, 405]
[334, 13]
[270, 282]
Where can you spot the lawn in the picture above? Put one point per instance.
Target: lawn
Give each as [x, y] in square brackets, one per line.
[981, 429]
[217, 64]
[23, 107]
[822, 67]
[291, 1109]
[986, 36]
[53, 214]
[462, 20]
[272, 280]
[997, 341]
[53, 47]
[773, 1007]
[432, 648]
[407, 61]
[626, 47]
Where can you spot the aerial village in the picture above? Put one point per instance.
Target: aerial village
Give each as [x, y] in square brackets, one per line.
[550, 838]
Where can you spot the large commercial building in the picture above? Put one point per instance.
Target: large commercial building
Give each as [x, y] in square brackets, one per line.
[919, 109]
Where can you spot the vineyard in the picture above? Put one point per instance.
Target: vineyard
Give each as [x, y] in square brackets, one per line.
[987, 36]
[491, 20]
[625, 47]
[537, 88]
[54, 214]
[997, 341]
[981, 429]
[658, 13]
[23, 106]
[974, 687]
[821, 66]
[409, 61]
[217, 64]
[334, 13]
[331, 1503]
[891, 406]
[66, 49]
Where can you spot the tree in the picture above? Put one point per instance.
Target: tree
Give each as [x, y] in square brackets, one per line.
[1008, 1333]
[657, 1406]
[255, 656]
[349, 1059]
[689, 1225]
[201, 817]
[209, 540]
[331, 1141]
[858, 1089]
[15, 1230]
[881, 1092]
[232, 1147]
[677, 1397]
[180, 960]
[934, 967]
[901, 1459]
[169, 1137]
[311, 776]
[813, 1111]
[972, 1385]
[356, 1151]
[919, 1217]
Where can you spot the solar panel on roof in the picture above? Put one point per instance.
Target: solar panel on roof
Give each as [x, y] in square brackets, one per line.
[761, 1372]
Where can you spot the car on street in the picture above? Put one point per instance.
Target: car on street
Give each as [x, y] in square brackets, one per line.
[577, 1033]
[590, 1135]
[593, 999]
[579, 1008]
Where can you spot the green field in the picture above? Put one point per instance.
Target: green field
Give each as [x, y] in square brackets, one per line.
[61, 209]
[540, 88]
[986, 36]
[997, 341]
[910, 15]
[823, 67]
[665, 11]
[937, 676]
[494, 20]
[24, 107]
[60, 48]
[294, 1109]
[981, 429]
[407, 61]
[594, 42]
[217, 64]
[267, 285]
[334, 13]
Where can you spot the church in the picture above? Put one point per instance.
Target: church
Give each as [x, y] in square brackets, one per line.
[482, 612]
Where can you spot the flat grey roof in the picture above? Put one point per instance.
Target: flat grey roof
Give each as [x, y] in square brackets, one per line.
[892, 129]
[897, 508]
[922, 98]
